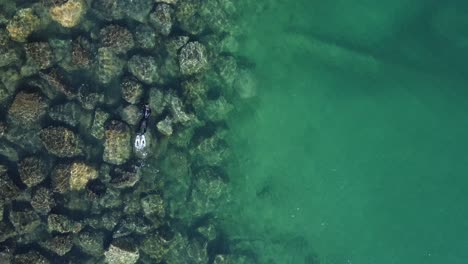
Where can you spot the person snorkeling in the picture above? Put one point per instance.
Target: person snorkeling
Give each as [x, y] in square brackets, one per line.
[140, 140]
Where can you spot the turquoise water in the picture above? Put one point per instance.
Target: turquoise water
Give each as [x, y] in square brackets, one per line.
[355, 149]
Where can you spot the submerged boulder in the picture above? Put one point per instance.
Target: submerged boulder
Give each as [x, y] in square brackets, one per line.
[27, 108]
[23, 24]
[91, 243]
[132, 90]
[117, 38]
[39, 54]
[42, 201]
[60, 244]
[29, 258]
[8, 189]
[122, 251]
[24, 221]
[144, 68]
[110, 66]
[62, 224]
[61, 142]
[69, 13]
[117, 148]
[98, 128]
[162, 19]
[193, 58]
[73, 176]
[32, 171]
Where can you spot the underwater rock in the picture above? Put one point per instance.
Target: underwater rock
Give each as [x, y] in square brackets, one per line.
[227, 70]
[42, 201]
[153, 207]
[217, 110]
[117, 148]
[212, 151]
[182, 138]
[155, 246]
[29, 258]
[6, 231]
[80, 174]
[91, 243]
[246, 85]
[144, 68]
[97, 128]
[69, 113]
[110, 66]
[6, 255]
[10, 79]
[145, 37]
[124, 178]
[157, 101]
[57, 83]
[88, 98]
[208, 231]
[116, 38]
[195, 93]
[131, 114]
[4, 93]
[193, 58]
[80, 57]
[106, 221]
[131, 204]
[131, 225]
[109, 200]
[61, 142]
[137, 9]
[61, 49]
[32, 171]
[62, 224]
[208, 193]
[173, 45]
[217, 15]
[69, 13]
[60, 244]
[24, 221]
[162, 19]
[188, 16]
[184, 251]
[177, 109]
[8, 189]
[25, 139]
[61, 178]
[23, 24]
[8, 150]
[132, 90]
[165, 126]
[8, 57]
[122, 251]
[39, 54]
[27, 108]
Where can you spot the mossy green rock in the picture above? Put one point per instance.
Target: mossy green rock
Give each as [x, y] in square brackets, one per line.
[23, 24]
[61, 142]
[91, 243]
[122, 252]
[117, 148]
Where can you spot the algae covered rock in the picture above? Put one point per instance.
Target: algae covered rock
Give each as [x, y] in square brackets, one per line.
[110, 66]
[69, 113]
[193, 58]
[32, 171]
[153, 207]
[117, 148]
[62, 224]
[39, 54]
[212, 151]
[184, 251]
[27, 108]
[131, 114]
[23, 24]
[117, 38]
[91, 243]
[124, 178]
[8, 189]
[42, 201]
[217, 110]
[68, 14]
[29, 258]
[98, 128]
[165, 126]
[162, 19]
[209, 191]
[24, 221]
[245, 85]
[155, 246]
[60, 244]
[145, 37]
[144, 68]
[80, 174]
[132, 90]
[122, 251]
[195, 93]
[61, 142]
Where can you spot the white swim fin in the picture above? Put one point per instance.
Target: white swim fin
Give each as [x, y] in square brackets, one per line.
[143, 141]
[137, 142]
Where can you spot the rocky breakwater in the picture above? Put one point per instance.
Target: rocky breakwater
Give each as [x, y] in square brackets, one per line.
[74, 76]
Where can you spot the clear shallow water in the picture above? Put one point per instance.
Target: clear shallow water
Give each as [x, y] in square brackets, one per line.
[354, 150]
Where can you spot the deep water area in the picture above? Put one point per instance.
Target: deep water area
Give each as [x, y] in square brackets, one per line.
[354, 150]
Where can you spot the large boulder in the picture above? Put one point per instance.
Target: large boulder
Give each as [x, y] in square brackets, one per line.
[122, 251]
[61, 142]
[39, 54]
[98, 126]
[110, 66]
[117, 148]
[153, 207]
[73, 176]
[62, 224]
[8, 189]
[32, 171]
[24, 221]
[144, 68]
[162, 19]
[59, 244]
[193, 58]
[69, 13]
[23, 24]
[27, 108]
[91, 243]
[29, 258]
[117, 38]
[132, 90]
[155, 246]
[42, 200]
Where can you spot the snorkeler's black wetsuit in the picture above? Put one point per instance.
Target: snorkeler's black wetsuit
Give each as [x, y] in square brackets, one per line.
[144, 120]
